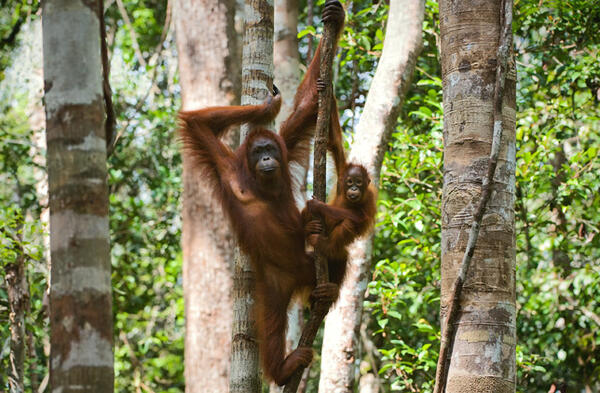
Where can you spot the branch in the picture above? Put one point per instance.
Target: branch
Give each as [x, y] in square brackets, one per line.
[134, 41]
[319, 186]
[486, 191]
[153, 62]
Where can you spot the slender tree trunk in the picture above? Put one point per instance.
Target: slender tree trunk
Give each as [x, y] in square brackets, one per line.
[81, 357]
[401, 48]
[482, 358]
[257, 83]
[209, 75]
[18, 300]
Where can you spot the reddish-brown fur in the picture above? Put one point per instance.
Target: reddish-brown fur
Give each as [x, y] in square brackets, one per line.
[264, 217]
[343, 220]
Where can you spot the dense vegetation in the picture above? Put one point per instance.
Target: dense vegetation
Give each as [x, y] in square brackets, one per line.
[557, 207]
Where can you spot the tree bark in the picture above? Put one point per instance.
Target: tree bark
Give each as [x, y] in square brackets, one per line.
[401, 48]
[257, 83]
[18, 300]
[209, 75]
[81, 332]
[286, 58]
[482, 358]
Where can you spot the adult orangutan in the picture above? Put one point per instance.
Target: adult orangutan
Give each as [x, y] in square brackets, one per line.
[254, 187]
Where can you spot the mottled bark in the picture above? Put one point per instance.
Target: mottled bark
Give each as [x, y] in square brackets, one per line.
[81, 335]
[482, 357]
[209, 75]
[401, 48]
[257, 83]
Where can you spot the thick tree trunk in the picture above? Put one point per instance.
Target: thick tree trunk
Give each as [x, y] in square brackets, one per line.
[402, 46]
[209, 75]
[257, 82]
[286, 58]
[482, 358]
[81, 334]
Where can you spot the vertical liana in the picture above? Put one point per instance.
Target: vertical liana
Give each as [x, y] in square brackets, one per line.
[478, 299]
[257, 82]
[319, 309]
[81, 336]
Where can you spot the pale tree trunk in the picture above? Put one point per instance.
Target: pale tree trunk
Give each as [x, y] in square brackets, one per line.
[209, 75]
[401, 48]
[81, 336]
[286, 58]
[482, 358]
[257, 83]
[286, 61]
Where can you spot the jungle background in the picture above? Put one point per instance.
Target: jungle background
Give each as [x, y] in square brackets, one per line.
[557, 207]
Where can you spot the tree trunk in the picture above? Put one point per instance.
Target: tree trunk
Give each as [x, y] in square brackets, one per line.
[257, 82]
[401, 48]
[18, 299]
[81, 334]
[482, 358]
[286, 58]
[208, 69]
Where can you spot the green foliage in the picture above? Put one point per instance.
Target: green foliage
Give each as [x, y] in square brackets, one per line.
[145, 184]
[19, 241]
[20, 230]
[558, 131]
[12, 18]
[558, 203]
[404, 292]
[145, 187]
